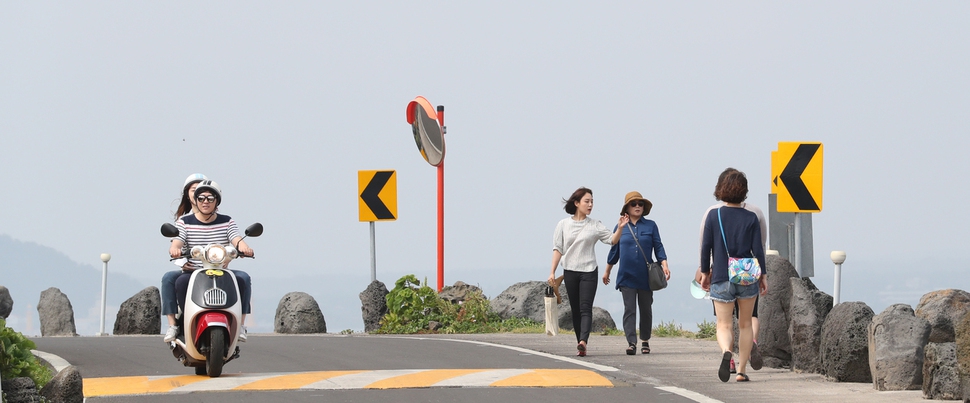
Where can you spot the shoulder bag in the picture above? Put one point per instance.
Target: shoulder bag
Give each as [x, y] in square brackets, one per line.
[741, 270]
[655, 271]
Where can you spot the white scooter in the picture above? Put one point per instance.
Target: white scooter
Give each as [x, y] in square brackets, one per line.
[210, 321]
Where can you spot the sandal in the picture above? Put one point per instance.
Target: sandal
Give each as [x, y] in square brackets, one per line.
[631, 350]
[742, 377]
[645, 348]
[723, 372]
[581, 348]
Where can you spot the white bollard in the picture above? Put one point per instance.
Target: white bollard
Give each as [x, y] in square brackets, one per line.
[105, 257]
[838, 257]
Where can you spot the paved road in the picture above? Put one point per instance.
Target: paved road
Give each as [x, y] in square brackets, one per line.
[340, 368]
[474, 368]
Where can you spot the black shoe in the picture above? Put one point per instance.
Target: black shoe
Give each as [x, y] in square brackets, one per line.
[724, 371]
[631, 349]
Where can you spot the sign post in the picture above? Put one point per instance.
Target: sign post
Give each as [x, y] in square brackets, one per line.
[376, 201]
[428, 128]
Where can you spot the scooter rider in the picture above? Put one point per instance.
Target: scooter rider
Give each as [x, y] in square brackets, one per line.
[207, 226]
[187, 205]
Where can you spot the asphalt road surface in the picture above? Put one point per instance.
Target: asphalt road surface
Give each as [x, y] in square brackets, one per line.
[336, 368]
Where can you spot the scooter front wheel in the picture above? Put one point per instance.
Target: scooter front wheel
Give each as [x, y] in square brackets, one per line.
[217, 352]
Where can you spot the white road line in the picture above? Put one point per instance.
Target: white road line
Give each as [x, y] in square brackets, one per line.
[697, 397]
[481, 379]
[597, 367]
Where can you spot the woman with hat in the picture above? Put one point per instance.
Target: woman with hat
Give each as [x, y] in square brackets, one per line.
[203, 227]
[638, 242]
[573, 245]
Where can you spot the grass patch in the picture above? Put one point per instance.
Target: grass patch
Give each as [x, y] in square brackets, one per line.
[706, 330]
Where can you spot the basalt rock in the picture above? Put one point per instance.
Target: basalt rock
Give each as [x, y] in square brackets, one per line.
[373, 305]
[896, 340]
[56, 314]
[20, 390]
[963, 356]
[6, 302]
[809, 307]
[299, 313]
[66, 387]
[526, 300]
[941, 381]
[458, 293]
[943, 309]
[845, 346]
[140, 314]
[774, 314]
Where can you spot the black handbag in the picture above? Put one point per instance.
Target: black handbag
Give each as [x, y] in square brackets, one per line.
[655, 271]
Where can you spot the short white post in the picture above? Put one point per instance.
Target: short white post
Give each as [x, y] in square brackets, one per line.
[838, 257]
[105, 257]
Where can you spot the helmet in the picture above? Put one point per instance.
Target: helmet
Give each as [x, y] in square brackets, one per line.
[192, 179]
[211, 187]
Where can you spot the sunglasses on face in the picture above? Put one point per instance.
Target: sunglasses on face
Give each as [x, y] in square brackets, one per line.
[203, 199]
[637, 203]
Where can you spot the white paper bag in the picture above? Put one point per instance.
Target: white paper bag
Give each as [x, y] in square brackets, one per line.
[552, 316]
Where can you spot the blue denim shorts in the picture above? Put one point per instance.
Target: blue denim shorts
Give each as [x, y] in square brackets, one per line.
[726, 291]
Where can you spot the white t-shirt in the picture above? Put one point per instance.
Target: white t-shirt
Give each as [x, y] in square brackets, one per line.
[575, 240]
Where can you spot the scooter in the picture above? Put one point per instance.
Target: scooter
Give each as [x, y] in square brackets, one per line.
[212, 308]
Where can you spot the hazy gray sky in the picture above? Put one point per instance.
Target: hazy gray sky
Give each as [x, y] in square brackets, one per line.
[105, 107]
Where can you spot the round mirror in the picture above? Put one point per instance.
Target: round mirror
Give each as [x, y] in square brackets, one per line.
[427, 132]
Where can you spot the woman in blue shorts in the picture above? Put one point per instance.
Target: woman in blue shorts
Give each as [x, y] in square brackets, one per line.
[732, 231]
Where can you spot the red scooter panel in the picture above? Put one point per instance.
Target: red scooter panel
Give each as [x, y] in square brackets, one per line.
[208, 319]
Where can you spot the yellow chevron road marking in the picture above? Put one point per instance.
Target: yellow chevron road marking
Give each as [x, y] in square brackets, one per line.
[131, 385]
[332, 380]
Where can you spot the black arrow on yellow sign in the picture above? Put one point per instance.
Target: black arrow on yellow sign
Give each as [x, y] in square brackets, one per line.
[791, 176]
[371, 195]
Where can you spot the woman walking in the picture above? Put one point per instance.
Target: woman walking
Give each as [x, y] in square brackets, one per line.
[732, 231]
[638, 242]
[573, 246]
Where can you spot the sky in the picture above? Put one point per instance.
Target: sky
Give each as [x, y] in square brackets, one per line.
[105, 108]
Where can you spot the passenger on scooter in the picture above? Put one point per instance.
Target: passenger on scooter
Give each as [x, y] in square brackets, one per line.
[187, 205]
[207, 226]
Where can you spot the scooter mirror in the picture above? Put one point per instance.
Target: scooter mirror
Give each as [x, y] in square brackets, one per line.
[169, 230]
[254, 230]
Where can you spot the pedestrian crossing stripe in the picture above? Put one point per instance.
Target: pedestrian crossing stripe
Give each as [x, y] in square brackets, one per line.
[334, 380]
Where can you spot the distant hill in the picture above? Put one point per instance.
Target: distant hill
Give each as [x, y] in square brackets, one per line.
[28, 269]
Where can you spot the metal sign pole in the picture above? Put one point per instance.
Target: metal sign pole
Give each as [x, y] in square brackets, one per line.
[798, 244]
[373, 254]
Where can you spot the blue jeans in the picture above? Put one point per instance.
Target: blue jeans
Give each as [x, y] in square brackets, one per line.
[726, 291]
[245, 289]
[169, 301]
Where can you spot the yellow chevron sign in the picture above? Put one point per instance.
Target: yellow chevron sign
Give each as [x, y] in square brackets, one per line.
[377, 195]
[796, 177]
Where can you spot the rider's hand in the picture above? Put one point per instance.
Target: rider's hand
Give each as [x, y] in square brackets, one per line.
[245, 249]
[175, 251]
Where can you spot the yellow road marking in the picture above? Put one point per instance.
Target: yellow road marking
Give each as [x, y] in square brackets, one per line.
[555, 378]
[421, 379]
[293, 381]
[131, 385]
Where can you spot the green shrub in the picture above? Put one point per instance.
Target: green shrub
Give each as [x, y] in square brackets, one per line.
[16, 360]
[706, 330]
[411, 306]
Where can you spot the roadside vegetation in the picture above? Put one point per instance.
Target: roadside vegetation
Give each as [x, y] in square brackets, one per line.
[17, 361]
[415, 308]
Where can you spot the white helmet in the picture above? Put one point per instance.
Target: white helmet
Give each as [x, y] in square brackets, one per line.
[192, 179]
[211, 187]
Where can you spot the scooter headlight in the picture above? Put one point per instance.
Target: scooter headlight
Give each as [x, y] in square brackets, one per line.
[196, 252]
[215, 254]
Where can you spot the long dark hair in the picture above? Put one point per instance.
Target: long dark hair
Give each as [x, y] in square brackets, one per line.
[185, 206]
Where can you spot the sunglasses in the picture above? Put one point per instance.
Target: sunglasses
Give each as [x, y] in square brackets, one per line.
[203, 199]
[637, 203]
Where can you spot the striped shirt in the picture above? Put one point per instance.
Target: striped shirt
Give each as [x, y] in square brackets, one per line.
[575, 241]
[193, 232]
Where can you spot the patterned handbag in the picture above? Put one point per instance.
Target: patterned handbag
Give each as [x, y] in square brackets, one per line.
[741, 270]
